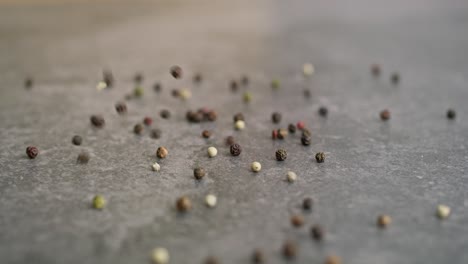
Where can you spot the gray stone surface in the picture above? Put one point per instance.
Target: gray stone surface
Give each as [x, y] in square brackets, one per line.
[404, 167]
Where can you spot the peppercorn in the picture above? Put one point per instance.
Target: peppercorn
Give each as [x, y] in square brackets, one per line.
[395, 78]
[138, 129]
[282, 133]
[306, 93]
[147, 121]
[443, 211]
[199, 173]
[185, 94]
[176, 72]
[211, 115]
[289, 249]
[292, 128]
[291, 176]
[333, 260]
[230, 140]
[245, 80]
[281, 154]
[212, 260]
[183, 204]
[275, 84]
[235, 149]
[32, 152]
[320, 157]
[138, 91]
[375, 70]
[77, 140]
[451, 114]
[194, 117]
[28, 83]
[197, 78]
[247, 97]
[274, 134]
[305, 140]
[234, 86]
[121, 108]
[383, 221]
[155, 133]
[211, 200]
[157, 87]
[83, 158]
[297, 220]
[108, 78]
[323, 111]
[99, 202]
[212, 152]
[156, 166]
[317, 232]
[385, 115]
[161, 152]
[206, 134]
[238, 116]
[175, 93]
[256, 166]
[306, 132]
[138, 78]
[258, 257]
[307, 203]
[300, 125]
[308, 69]
[276, 117]
[160, 256]
[165, 114]
[97, 121]
[239, 125]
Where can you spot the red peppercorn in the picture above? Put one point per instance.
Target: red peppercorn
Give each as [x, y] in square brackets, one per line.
[300, 125]
[274, 134]
[32, 152]
[147, 121]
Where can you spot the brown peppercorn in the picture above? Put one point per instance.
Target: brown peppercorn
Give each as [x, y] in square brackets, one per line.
[230, 140]
[320, 157]
[211, 260]
[276, 117]
[211, 115]
[77, 140]
[199, 173]
[83, 158]
[121, 108]
[289, 249]
[161, 152]
[138, 129]
[28, 83]
[165, 114]
[32, 152]
[176, 72]
[281, 154]
[282, 133]
[292, 128]
[385, 115]
[297, 220]
[258, 257]
[317, 232]
[194, 117]
[395, 78]
[306, 140]
[206, 134]
[234, 86]
[235, 149]
[197, 78]
[97, 121]
[451, 114]
[183, 204]
[332, 259]
[383, 221]
[375, 69]
[307, 203]
[147, 121]
[323, 111]
[138, 78]
[238, 116]
[157, 87]
[175, 93]
[155, 133]
[306, 93]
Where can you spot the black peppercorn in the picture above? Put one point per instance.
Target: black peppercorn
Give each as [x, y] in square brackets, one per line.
[297, 220]
[157, 87]
[235, 149]
[211, 115]
[320, 157]
[258, 257]
[176, 72]
[211, 260]
[306, 132]
[281, 154]
[206, 134]
[289, 249]
[306, 93]
[194, 117]
[28, 83]
[183, 204]
[245, 80]
[323, 111]
[76, 140]
[451, 114]
[375, 69]
[197, 78]
[155, 133]
[199, 173]
[121, 108]
[32, 152]
[238, 116]
[234, 86]
[165, 114]
[276, 117]
[108, 78]
[307, 203]
[385, 115]
[138, 129]
[175, 93]
[230, 140]
[317, 232]
[138, 78]
[395, 78]
[83, 158]
[306, 140]
[292, 128]
[98, 121]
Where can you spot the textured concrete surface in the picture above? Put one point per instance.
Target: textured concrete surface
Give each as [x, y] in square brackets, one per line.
[404, 167]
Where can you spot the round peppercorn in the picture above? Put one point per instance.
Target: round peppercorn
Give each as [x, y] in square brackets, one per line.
[28, 83]
[275, 84]
[238, 116]
[147, 121]
[155, 133]
[383, 221]
[230, 140]
[292, 128]
[32, 152]
[77, 140]
[239, 125]
[333, 260]
[245, 80]
[97, 121]
[297, 220]
[289, 249]
[199, 173]
[99, 202]
[206, 134]
[282, 133]
[183, 204]
[121, 108]
[212, 152]
[308, 69]
[83, 158]
[157, 87]
[235, 149]
[317, 232]
[138, 91]
[323, 111]
[211, 200]
[281, 154]
[291, 176]
[160, 256]
[176, 72]
[451, 114]
[306, 140]
[161, 152]
[300, 125]
[211, 115]
[197, 78]
[375, 69]
[211, 260]
[108, 78]
[274, 134]
[307, 203]
[443, 211]
[138, 129]
[306, 132]
[247, 97]
[234, 86]
[258, 257]
[385, 115]
[175, 93]
[276, 117]
[320, 157]
[395, 78]
[138, 78]
[165, 114]
[306, 93]
[256, 166]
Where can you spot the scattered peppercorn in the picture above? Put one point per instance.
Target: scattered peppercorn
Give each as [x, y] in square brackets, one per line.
[32, 152]
[276, 117]
[383, 221]
[197, 78]
[199, 173]
[333, 260]
[211, 200]
[451, 114]
[385, 115]
[138, 78]
[289, 249]
[317, 232]
[238, 116]
[161, 152]
[292, 128]
[155, 133]
[156, 166]
[211, 260]
[274, 134]
[282, 133]
[306, 132]
[247, 97]
[28, 83]
[375, 69]
[297, 220]
[300, 125]
[256, 166]
[165, 114]
[138, 91]
[175, 93]
[97, 121]
[157, 87]
[443, 211]
[183, 204]
[245, 80]
[77, 140]
[306, 93]
[99, 202]
[234, 86]
[206, 134]
[235, 149]
[212, 152]
[108, 78]
[83, 158]
[230, 140]
[320, 157]
[275, 84]
[239, 125]
[138, 129]
[176, 72]
[291, 176]
[308, 69]
[194, 117]
[211, 115]
[323, 111]
[185, 94]
[258, 257]
[395, 78]
[306, 140]
[160, 256]
[121, 108]
[147, 121]
[307, 203]
[281, 154]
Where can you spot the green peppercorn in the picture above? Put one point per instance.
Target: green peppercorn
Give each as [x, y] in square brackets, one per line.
[275, 84]
[247, 97]
[99, 202]
[138, 91]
